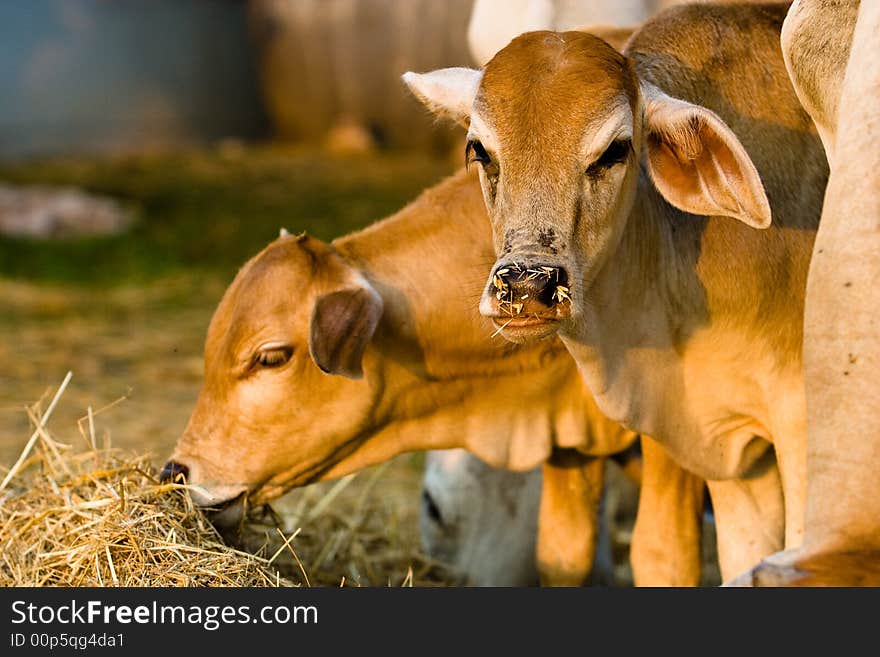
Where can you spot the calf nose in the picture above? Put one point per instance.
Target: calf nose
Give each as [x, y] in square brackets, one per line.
[174, 472]
[518, 287]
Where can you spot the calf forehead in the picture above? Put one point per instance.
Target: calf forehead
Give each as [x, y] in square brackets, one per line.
[543, 91]
[266, 288]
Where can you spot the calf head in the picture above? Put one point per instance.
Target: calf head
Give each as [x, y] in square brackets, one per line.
[268, 417]
[562, 128]
[481, 520]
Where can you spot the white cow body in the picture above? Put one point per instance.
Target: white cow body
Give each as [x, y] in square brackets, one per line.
[494, 23]
[483, 521]
[831, 54]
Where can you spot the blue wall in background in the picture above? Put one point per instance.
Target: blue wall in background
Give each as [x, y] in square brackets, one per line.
[121, 75]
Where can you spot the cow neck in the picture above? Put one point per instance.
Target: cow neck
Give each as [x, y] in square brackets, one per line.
[625, 341]
[629, 344]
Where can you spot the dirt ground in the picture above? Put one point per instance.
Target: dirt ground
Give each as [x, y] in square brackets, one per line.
[128, 319]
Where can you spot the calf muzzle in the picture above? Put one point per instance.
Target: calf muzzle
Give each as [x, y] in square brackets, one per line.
[523, 291]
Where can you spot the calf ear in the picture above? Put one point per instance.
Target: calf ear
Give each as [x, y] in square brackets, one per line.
[698, 164]
[343, 323]
[448, 92]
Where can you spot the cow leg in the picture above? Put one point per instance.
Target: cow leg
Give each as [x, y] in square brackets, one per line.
[665, 549]
[788, 420]
[568, 520]
[749, 517]
[841, 341]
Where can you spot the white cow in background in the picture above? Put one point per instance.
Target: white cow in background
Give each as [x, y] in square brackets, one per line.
[494, 23]
[480, 520]
[483, 521]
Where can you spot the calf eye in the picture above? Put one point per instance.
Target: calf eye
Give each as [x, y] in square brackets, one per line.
[474, 152]
[431, 508]
[273, 357]
[616, 153]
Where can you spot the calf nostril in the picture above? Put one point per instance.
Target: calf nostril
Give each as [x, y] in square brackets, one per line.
[561, 276]
[556, 288]
[174, 472]
[514, 284]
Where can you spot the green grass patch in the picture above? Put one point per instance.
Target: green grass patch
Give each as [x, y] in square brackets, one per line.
[209, 211]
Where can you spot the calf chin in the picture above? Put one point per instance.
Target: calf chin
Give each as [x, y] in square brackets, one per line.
[229, 517]
[526, 331]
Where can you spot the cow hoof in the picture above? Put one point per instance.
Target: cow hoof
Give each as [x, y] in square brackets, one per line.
[776, 570]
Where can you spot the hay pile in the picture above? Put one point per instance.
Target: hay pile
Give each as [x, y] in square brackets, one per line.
[102, 518]
[99, 517]
[110, 523]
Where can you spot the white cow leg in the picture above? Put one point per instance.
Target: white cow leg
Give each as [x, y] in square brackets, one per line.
[841, 544]
[568, 521]
[749, 517]
[792, 458]
[842, 318]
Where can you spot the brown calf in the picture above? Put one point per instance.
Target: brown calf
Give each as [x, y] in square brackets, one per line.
[624, 193]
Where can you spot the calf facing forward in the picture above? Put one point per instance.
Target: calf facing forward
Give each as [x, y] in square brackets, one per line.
[625, 192]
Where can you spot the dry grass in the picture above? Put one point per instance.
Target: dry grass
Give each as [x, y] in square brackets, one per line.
[345, 535]
[100, 517]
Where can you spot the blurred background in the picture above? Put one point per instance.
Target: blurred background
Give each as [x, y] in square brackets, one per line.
[149, 147]
[127, 75]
